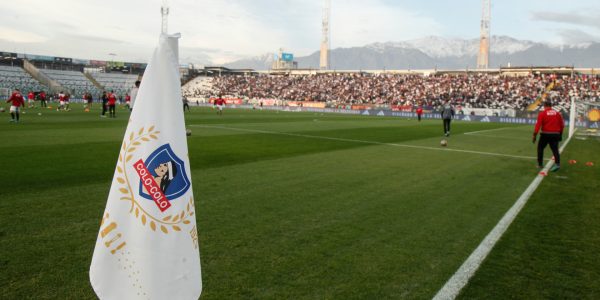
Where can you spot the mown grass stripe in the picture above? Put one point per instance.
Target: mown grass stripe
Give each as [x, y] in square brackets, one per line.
[367, 142]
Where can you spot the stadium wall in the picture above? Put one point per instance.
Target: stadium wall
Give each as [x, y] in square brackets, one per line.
[514, 71]
[402, 114]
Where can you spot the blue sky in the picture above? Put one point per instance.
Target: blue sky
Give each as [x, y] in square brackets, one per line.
[220, 31]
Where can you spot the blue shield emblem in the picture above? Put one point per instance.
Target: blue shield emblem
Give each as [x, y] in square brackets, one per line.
[168, 171]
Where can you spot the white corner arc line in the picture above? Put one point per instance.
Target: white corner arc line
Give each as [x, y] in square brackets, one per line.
[366, 142]
[461, 277]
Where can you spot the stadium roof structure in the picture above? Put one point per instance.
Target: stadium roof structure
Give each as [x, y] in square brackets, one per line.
[211, 70]
[540, 69]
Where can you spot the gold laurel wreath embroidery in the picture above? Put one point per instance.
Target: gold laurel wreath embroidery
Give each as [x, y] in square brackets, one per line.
[172, 221]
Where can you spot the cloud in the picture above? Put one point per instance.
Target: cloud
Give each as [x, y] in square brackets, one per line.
[220, 31]
[215, 31]
[190, 55]
[242, 29]
[572, 18]
[206, 56]
[575, 26]
[227, 26]
[576, 36]
[20, 36]
[94, 39]
[354, 23]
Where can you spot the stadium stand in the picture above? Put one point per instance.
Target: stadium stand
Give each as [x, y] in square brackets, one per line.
[201, 87]
[73, 81]
[584, 88]
[16, 77]
[120, 83]
[516, 89]
[473, 90]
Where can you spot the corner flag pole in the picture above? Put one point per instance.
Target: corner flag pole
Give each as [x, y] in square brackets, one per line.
[164, 11]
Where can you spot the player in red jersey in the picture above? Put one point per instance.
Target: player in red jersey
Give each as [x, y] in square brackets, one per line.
[16, 102]
[128, 101]
[61, 101]
[551, 123]
[31, 99]
[419, 112]
[90, 100]
[220, 102]
[112, 102]
[67, 98]
[42, 96]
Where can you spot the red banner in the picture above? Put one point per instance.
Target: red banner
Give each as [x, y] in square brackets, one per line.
[313, 104]
[306, 104]
[407, 108]
[361, 107]
[98, 63]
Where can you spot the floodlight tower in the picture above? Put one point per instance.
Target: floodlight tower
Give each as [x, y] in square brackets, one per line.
[164, 11]
[324, 63]
[484, 42]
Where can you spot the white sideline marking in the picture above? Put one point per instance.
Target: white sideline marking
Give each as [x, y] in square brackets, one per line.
[487, 130]
[459, 280]
[365, 142]
[478, 133]
[500, 137]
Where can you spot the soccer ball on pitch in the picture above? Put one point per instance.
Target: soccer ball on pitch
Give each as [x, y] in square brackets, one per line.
[1, 109]
[188, 132]
[444, 143]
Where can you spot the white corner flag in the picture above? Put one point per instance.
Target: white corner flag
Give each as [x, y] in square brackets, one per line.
[147, 245]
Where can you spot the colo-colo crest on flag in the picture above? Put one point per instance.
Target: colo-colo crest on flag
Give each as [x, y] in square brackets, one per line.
[147, 245]
[162, 177]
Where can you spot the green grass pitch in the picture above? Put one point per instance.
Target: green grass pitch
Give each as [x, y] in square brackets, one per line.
[311, 206]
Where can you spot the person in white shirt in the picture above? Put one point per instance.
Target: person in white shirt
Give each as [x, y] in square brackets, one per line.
[133, 94]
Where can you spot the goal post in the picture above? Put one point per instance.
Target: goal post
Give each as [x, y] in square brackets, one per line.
[572, 115]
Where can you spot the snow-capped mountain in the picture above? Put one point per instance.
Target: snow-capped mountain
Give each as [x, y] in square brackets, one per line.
[439, 47]
[444, 53]
[261, 62]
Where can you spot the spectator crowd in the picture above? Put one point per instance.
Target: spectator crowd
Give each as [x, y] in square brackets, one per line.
[473, 90]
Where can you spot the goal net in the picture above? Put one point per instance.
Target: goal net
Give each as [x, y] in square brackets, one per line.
[585, 118]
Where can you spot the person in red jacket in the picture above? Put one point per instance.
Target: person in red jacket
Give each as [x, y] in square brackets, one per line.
[16, 101]
[551, 123]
